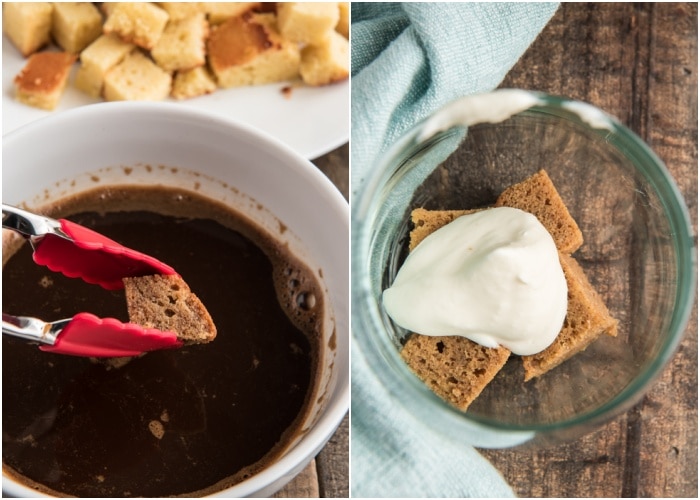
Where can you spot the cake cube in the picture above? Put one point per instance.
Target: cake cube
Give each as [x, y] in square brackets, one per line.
[248, 50]
[343, 26]
[326, 62]
[167, 303]
[108, 7]
[218, 12]
[97, 59]
[538, 196]
[136, 78]
[455, 368]
[75, 25]
[183, 44]
[307, 22]
[192, 83]
[139, 23]
[587, 318]
[27, 25]
[181, 10]
[43, 79]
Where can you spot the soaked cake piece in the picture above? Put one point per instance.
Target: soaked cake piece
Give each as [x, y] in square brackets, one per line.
[537, 195]
[454, 368]
[587, 318]
[167, 303]
[458, 369]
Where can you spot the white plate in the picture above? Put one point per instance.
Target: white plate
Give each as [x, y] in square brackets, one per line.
[312, 120]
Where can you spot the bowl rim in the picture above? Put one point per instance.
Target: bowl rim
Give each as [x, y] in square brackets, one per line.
[338, 402]
[402, 383]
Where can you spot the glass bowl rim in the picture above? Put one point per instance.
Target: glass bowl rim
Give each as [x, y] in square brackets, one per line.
[674, 209]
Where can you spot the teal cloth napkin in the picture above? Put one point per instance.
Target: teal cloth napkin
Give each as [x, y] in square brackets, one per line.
[408, 60]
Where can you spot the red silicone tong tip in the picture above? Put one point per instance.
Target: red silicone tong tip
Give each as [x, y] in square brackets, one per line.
[89, 336]
[94, 258]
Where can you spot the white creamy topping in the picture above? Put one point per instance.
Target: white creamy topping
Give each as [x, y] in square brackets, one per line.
[492, 276]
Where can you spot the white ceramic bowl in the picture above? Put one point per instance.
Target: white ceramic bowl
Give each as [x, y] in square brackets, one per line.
[147, 143]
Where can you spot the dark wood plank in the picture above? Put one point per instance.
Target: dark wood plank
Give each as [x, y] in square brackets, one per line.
[336, 166]
[304, 485]
[639, 63]
[332, 464]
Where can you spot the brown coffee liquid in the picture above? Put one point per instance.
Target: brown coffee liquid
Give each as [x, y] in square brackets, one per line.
[171, 422]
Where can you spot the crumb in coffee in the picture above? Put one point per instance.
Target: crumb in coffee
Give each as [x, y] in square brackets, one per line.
[156, 429]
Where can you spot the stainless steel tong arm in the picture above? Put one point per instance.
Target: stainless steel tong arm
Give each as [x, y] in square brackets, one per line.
[33, 227]
[30, 225]
[32, 328]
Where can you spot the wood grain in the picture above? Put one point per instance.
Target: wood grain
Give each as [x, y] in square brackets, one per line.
[304, 485]
[333, 466]
[336, 166]
[328, 475]
[639, 63]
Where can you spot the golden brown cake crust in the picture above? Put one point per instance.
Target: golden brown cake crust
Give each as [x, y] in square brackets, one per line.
[43, 79]
[45, 71]
[538, 196]
[237, 41]
[167, 303]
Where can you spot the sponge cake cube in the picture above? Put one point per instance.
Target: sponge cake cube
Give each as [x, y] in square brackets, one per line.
[248, 50]
[192, 83]
[343, 26]
[137, 78]
[27, 25]
[181, 10]
[218, 12]
[75, 25]
[139, 23]
[327, 62]
[97, 59]
[307, 22]
[183, 44]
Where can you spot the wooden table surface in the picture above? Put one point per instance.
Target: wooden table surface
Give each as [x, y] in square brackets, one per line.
[328, 475]
[638, 62]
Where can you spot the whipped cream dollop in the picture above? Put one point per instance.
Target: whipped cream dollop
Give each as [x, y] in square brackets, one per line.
[491, 276]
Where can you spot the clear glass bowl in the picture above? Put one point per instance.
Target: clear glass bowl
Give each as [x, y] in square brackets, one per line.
[638, 252]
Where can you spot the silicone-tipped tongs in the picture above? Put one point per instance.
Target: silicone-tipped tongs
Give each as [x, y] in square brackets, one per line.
[79, 252]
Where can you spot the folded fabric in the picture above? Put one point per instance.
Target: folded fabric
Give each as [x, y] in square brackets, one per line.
[409, 60]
